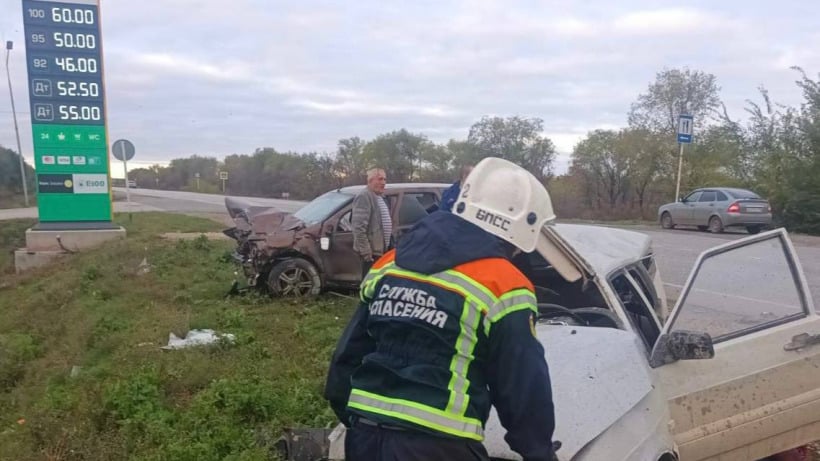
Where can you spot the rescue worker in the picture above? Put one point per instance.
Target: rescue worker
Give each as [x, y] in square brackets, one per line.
[445, 329]
[450, 195]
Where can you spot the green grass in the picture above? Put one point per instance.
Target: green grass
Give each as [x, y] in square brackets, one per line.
[129, 400]
[12, 237]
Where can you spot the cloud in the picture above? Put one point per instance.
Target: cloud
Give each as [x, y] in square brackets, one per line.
[355, 108]
[559, 65]
[201, 76]
[667, 21]
[574, 27]
[166, 63]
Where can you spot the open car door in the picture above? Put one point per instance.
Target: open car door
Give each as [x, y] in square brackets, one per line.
[760, 393]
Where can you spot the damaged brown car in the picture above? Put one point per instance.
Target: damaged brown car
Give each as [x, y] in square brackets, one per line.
[311, 250]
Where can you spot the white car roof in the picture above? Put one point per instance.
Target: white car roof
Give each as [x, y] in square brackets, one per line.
[605, 249]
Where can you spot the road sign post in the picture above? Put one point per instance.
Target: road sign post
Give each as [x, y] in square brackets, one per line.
[124, 150]
[223, 175]
[685, 129]
[196, 175]
[68, 116]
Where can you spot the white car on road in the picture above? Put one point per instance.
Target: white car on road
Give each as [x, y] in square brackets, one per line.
[731, 373]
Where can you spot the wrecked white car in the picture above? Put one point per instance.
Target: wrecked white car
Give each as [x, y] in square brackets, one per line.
[731, 373]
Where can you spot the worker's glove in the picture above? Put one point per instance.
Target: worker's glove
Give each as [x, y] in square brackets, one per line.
[550, 457]
[555, 446]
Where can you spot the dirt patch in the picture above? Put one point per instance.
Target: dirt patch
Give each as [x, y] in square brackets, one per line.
[221, 217]
[195, 235]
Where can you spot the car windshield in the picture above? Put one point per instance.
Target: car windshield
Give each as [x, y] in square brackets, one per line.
[740, 193]
[320, 208]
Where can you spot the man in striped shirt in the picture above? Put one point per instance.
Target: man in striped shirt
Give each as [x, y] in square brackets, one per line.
[372, 225]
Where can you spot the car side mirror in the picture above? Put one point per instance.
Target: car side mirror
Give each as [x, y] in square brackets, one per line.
[681, 345]
[682, 199]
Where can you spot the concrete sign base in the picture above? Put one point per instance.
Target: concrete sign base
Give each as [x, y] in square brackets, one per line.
[43, 246]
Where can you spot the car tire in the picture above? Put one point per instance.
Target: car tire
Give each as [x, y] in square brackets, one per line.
[715, 225]
[294, 277]
[753, 229]
[666, 221]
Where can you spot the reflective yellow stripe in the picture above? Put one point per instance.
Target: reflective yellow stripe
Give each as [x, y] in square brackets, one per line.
[513, 301]
[484, 296]
[454, 281]
[460, 365]
[368, 285]
[477, 301]
[416, 413]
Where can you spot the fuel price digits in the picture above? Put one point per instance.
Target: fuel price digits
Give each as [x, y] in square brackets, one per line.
[72, 113]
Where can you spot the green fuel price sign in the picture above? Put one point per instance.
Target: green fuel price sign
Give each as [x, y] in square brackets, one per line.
[67, 98]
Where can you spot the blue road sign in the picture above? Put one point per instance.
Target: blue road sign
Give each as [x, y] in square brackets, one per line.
[685, 128]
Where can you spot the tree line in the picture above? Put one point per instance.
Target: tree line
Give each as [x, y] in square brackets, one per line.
[628, 173]
[613, 174]
[406, 156]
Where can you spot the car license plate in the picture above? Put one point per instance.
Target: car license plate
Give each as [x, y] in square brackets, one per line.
[754, 209]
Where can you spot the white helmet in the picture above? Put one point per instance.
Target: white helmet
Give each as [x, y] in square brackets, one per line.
[505, 200]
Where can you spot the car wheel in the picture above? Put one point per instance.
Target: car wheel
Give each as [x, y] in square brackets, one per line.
[753, 229]
[715, 225]
[703, 228]
[294, 277]
[666, 221]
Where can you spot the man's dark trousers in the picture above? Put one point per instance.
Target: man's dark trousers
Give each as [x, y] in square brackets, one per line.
[371, 443]
[366, 265]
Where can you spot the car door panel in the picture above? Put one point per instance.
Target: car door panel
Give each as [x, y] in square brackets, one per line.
[704, 208]
[755, 397]
[342, 264]
[413, 206]
[684, 211]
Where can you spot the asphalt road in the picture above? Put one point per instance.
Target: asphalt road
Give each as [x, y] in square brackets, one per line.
[192, 202]
[677, 250]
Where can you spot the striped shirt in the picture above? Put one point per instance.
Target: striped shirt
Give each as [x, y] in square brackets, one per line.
[387, 223]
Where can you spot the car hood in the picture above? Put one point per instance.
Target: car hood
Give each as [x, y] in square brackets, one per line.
[605, 249]
[598, 375]
[269, 227]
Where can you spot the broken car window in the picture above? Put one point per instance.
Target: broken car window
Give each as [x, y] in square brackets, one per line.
[740, 291]
[638, 308]
[414, 207]
[345, 224]
[322, 207]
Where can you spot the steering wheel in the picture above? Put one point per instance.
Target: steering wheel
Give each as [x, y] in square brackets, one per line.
[542, 292]
[546, 310]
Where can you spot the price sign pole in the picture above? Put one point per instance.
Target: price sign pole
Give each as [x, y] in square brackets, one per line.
[68, 113]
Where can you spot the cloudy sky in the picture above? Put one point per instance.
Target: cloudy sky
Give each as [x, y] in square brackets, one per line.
[215, 77]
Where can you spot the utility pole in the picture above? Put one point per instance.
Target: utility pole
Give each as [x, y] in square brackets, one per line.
[9, 46]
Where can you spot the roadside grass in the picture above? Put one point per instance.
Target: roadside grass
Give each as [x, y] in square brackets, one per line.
[82, 375]
[12, 237]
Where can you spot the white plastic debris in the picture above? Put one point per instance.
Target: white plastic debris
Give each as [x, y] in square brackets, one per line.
[195, 338]
[337, 443]
[144, 267]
